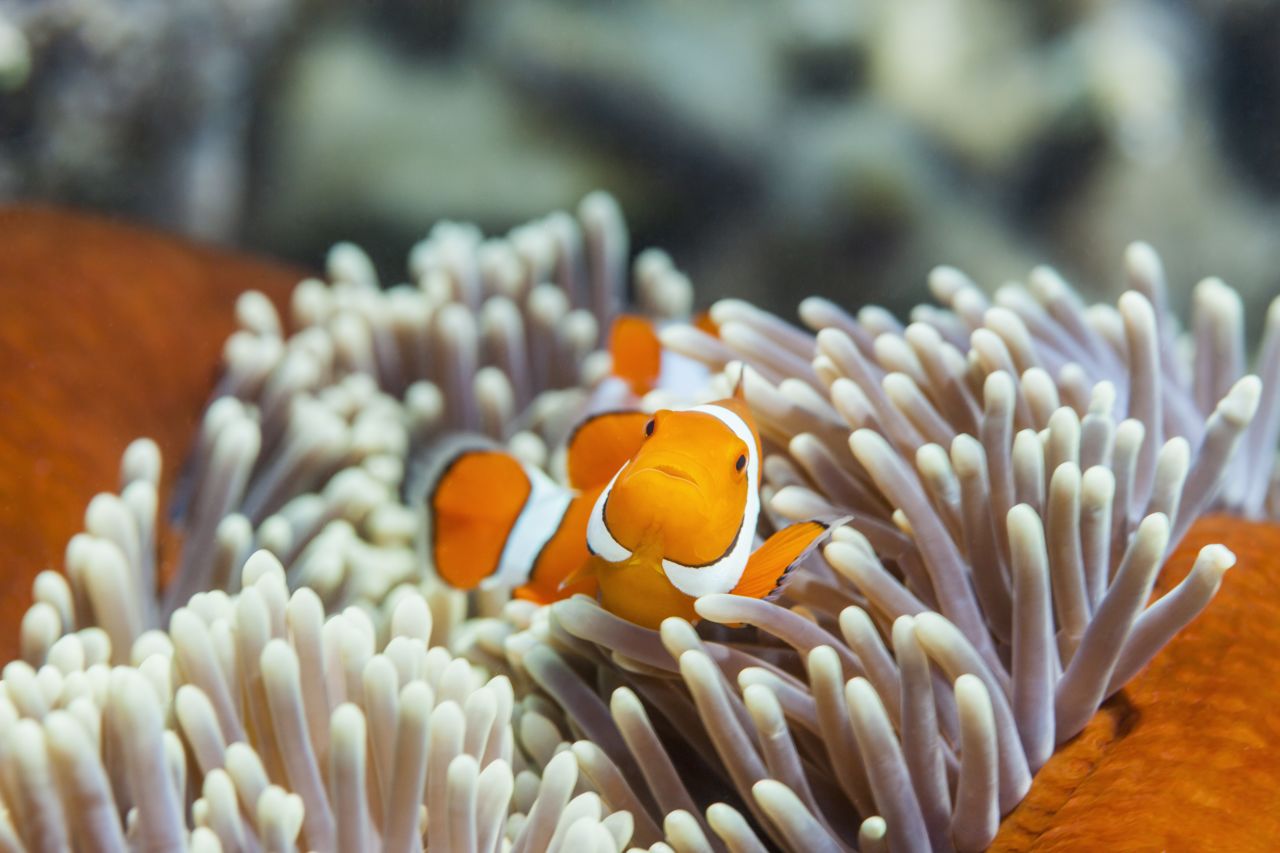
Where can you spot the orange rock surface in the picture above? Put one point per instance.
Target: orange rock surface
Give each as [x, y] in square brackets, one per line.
[1187, 757]
[108, 332]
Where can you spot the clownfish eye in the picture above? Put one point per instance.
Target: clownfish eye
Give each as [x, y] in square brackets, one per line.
[741, 463]
[648, 428]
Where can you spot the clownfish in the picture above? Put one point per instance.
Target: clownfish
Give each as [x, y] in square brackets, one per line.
[658, 510]
[641, 362]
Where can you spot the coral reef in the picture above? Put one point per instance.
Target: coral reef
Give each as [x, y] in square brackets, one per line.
[1008, 478]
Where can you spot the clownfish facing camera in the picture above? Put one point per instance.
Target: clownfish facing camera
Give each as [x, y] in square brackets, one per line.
[659, 510]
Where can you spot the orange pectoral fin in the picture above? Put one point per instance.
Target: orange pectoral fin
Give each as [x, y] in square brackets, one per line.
[601, 445]
[581, 580]
[470, 512]
[636, 352]
[769, 564]
[585, 573]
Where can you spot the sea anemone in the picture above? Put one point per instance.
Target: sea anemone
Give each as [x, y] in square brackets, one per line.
[278, 701]
[1004, 483]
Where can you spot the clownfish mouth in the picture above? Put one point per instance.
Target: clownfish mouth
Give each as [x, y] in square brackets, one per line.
[675, 473]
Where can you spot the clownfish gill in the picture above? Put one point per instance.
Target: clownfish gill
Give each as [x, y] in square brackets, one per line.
[658, 510]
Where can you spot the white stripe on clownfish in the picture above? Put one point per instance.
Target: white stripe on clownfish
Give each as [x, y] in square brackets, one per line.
[543, 512]
[600, 539]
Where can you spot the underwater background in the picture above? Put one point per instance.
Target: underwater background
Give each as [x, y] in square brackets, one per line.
[817, 146]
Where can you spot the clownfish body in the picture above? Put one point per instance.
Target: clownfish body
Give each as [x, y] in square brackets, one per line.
[658, 510]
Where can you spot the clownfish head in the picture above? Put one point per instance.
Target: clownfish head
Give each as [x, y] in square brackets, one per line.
[693, 487]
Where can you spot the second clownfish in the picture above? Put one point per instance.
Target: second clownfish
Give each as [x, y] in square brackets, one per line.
[639, 359]
[659, 509]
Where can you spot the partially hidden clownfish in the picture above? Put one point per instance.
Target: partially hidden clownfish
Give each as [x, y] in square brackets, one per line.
[658, 510]
[643, 364]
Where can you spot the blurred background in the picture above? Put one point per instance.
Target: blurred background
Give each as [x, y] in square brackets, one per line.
[840, 147]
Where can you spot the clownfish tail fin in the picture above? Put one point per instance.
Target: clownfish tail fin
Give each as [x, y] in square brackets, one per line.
[473, 498]
[771, 563]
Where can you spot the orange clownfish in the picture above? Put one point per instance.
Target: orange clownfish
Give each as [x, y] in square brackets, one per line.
[658, 510]
[643, 364]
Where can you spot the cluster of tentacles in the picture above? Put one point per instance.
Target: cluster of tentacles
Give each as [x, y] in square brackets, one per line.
[1009, 479]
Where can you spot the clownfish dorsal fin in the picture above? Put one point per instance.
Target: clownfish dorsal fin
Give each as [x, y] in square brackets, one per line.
[601, 445]
[768, 566]
[702, 322]
[636, 352]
